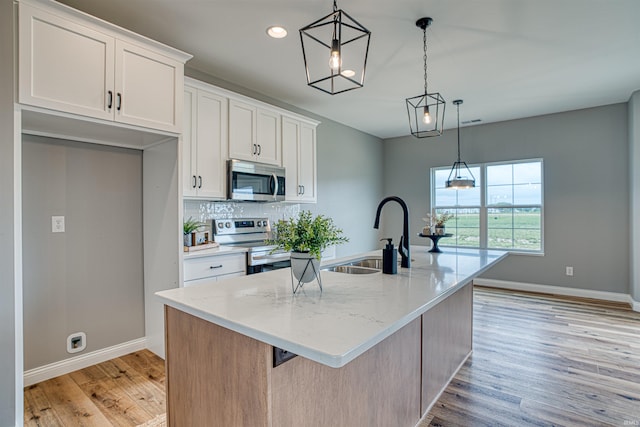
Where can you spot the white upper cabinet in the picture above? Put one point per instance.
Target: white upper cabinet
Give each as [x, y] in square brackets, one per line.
[71, 62]
[268, 137]
[204, 136]
[148, 88]
[254, 133]
[299, 159]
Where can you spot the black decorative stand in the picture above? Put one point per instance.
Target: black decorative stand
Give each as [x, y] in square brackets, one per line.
[434, 238]
[316, 274]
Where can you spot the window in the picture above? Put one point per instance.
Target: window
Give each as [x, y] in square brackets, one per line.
[503, 211]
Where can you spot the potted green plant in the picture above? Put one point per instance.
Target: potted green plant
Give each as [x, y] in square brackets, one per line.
[306, 237]
[436, 223]
[189, 228]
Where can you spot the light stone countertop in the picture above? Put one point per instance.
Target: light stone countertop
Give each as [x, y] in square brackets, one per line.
[221, 250]
[353, 313]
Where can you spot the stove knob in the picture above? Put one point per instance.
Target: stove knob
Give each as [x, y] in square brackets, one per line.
[220, 225]
[260, 223]
[227, 224]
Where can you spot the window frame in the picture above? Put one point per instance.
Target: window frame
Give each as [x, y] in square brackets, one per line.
[485, 206]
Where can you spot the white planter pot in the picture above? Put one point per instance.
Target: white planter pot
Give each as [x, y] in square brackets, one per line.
[304, 266]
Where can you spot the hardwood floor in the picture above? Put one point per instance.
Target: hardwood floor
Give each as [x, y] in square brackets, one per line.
[537, 361]
[541, 360]
[127, 391]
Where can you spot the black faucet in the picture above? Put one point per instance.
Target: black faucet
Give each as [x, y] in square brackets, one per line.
[403, 248]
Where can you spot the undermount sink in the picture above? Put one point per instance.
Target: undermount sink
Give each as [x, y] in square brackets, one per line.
[369, 263]
[352, 269]
[366, 265]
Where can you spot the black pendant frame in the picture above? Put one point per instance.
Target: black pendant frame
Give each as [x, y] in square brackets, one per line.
[320, 37]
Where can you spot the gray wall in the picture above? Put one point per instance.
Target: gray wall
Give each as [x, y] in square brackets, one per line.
[586, 205]
[350, 182]
[11, 368]
[634, 174]
[350, 172]
[90, 277]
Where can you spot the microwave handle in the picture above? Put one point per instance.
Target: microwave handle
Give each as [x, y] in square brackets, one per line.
[275, 185]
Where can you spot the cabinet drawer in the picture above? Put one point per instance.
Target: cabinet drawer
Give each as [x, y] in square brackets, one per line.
[213, 266]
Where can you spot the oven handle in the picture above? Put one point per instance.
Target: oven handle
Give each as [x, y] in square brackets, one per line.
[284, 255]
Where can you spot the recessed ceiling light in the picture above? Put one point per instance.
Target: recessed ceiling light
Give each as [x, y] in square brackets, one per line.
[348, 73]
[277, 32]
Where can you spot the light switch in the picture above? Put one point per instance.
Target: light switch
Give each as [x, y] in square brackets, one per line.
[57, 224]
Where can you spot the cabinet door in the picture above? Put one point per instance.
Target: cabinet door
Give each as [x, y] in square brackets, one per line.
[189, 149]
[211, 140]
[307, 175]
[149, 88]
[290, 137]
[268, 137]
[64, 66]
[242, 130]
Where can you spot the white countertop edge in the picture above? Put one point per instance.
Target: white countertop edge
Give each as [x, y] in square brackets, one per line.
[222, 250]
[331, 360]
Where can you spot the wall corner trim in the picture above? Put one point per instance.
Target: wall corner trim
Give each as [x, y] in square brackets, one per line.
[559, 290]
[42, 373]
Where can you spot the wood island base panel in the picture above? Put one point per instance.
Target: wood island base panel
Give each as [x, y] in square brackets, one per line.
[217, 374]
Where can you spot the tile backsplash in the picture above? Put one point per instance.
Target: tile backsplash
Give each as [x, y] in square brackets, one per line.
[205, 211]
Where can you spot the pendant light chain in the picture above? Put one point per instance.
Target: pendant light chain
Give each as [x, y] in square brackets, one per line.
[426, 111]
[458, 107]
[424, 41]
[335, 6]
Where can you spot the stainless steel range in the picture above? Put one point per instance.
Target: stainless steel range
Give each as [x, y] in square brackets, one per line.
[251, 233]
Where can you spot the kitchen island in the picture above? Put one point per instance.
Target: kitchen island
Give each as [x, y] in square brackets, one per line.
[373, 349]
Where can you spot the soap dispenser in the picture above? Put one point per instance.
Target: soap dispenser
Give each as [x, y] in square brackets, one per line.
[389, 258]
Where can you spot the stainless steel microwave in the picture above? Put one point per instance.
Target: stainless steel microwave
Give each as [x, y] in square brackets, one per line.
[255, 181]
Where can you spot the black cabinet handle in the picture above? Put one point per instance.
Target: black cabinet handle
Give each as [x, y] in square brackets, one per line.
[255, 148]
[194, 181]
[119, 96]
[199, 181]
[259, 149]
[215, 266]
[110, 102]
[302, 189]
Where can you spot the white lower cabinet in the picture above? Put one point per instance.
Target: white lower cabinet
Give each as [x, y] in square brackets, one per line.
[214, 268]
[299, 159]
[204, 147]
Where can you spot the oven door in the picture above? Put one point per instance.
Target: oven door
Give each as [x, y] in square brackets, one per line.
[255, 182]
[261, 261]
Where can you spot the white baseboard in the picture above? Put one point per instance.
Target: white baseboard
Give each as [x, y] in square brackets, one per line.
[559, 290]
[42, 373]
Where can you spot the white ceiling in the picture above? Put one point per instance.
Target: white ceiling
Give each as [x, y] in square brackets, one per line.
[506, 59]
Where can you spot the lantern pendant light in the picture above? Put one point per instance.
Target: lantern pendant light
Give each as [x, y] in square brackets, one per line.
[335, 50]
[456, 179]
[426, 111]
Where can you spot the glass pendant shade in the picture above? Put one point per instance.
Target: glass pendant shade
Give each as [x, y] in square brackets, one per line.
[426, 111]
[460, 177]
[335, 50]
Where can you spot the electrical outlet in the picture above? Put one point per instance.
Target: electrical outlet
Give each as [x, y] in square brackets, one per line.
[57, 224]
[569, 271]
[76, 342]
